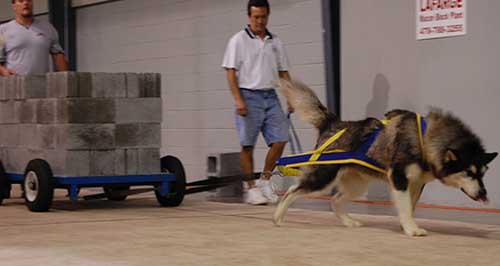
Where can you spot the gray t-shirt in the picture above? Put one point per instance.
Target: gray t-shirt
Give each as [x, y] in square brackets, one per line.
[26, 49]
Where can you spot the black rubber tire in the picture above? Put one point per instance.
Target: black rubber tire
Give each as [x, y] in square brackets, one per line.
[111, 190]
[40, 170]
[171, 164]
[5, 185]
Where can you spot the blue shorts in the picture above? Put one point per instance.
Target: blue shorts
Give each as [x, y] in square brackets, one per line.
[264, 115]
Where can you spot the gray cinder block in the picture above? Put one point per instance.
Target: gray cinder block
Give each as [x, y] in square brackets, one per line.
[225, 164]
[149, 161]
[138, 110]
[69, 163]
[138, 135]
[28, 135]
[62, 84]
[102, 162]
[7, 112]
[3, 89]
[32, 86]
[108, 85]
[126, 161]
[86, 110]
[133, 85]
[150, 84]
[85, 136]
[26, 111]
[46, 111]
[10, 85]
[9, 135]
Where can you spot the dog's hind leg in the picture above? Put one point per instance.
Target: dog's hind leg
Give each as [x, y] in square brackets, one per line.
[293, 193]
[351, 186]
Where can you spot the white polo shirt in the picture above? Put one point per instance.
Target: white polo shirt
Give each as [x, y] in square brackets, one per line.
[257, 61]
[26, 49]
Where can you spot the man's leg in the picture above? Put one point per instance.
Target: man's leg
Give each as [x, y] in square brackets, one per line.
[274, 153]
[246, 164]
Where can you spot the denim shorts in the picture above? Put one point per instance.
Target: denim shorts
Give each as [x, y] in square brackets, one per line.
[264, 115]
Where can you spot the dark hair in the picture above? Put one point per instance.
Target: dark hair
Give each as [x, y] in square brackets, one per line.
[258, 3]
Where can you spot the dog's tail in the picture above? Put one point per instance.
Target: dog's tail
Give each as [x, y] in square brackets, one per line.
[306, 104]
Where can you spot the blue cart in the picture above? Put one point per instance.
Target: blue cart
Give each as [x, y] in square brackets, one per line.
[38, 184]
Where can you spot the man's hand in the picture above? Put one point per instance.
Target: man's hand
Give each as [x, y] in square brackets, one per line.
[6, 72]
[290, 108]
[241, 108]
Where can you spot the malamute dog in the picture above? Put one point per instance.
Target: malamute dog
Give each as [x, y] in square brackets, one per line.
[450, 153]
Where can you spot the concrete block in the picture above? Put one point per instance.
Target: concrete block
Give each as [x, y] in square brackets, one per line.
[138, 135]
[86, 110]
[18, 158]
[138, 110]
[85, 136]
[225, 164]
[46, 137]
[9, 135]
[32, 86]
[132, 161]
[84, 84]
[26, 111]
[149, 161]
[108, 85]
[28, 135]
[46, 111]
[150, 84]
[133, 85]
[10, 85]
[102, 162]
[8, 113]
[3, 89]
[120, 162]
[62, 84]
[126, 161]
[69, 163]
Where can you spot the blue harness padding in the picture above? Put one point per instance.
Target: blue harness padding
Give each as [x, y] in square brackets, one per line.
[342, 157]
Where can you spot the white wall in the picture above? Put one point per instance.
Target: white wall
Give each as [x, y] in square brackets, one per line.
[6, 13]
[384, 67]
[185, 41]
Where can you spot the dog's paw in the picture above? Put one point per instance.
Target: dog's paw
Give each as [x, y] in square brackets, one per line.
[277, 220]
[416, 232]
[351, 223]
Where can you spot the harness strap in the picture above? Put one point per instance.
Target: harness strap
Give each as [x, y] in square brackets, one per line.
[317, 153]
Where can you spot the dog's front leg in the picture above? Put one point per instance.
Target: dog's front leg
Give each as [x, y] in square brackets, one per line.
[401, 179]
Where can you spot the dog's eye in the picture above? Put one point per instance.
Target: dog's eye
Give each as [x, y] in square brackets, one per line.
[470, 173]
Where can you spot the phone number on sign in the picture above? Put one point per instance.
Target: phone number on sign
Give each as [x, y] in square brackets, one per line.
[442, 29]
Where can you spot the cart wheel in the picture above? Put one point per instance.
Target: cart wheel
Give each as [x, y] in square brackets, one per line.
[38, 186]
[114, 193]
[171, 164]
[5, 185]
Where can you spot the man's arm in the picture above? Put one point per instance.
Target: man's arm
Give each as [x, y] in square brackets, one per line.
[285, 75]
[6, 72]
[60, 62]
[232, 79]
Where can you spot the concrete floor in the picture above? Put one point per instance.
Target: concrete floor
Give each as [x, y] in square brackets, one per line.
[201, 232]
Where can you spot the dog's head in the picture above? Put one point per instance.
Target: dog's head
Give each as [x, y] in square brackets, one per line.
[466, 171]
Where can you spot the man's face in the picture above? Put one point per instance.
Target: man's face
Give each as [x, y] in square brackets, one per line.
[258, 19]
[23, 8]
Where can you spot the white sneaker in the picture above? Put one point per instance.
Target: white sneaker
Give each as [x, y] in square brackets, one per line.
[267, 190]
[254, 196]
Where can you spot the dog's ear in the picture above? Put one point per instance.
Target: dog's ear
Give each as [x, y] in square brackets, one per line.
[450, 156]
[488, 157]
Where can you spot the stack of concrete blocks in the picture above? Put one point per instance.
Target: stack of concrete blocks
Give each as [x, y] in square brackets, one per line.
[82, 124]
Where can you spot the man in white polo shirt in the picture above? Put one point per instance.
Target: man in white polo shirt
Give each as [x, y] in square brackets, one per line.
[26, 42]
[254, 61]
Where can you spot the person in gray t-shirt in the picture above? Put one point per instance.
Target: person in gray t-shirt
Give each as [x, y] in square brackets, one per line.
[26, 42]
